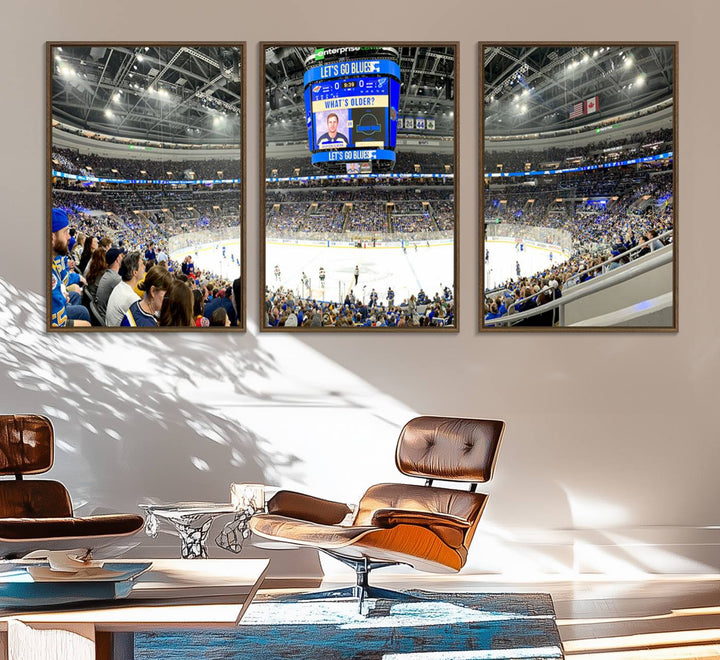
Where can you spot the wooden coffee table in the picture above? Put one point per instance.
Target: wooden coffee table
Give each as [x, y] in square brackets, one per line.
[174, 593]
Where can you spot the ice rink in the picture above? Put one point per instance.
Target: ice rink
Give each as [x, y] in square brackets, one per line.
[428, 268]
[504, 257]
[216, 258]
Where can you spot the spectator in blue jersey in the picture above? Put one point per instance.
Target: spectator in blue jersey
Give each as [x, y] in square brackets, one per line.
[188, 267]
[332, 138]
[59, 311]
[224, 301]
[143, 313]
[72, 283]
[491, 311]
[150, 252]
[72, 241]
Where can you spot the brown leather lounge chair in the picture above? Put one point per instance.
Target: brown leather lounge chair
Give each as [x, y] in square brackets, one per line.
[427, 527]
[37, 514]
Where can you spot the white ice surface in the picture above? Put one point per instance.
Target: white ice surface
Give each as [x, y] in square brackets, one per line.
[430, 268]
[209, 257]
[504, 256]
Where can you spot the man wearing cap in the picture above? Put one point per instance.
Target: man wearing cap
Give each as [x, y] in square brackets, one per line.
[108, 281]
[62, 314]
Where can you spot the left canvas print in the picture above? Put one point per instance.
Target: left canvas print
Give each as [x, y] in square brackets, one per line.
[145, 186]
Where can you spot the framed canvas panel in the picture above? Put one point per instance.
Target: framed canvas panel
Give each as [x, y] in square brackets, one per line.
[359, 197]
[579, 186]
[145, 186]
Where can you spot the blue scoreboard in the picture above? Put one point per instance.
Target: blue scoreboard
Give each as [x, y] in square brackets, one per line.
[351, 110]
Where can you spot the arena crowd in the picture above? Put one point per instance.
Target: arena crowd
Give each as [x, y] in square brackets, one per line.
[283, 308]
[605, 236]
[115, 271]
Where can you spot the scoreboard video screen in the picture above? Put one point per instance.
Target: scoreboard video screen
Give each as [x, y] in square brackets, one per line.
[351, 110]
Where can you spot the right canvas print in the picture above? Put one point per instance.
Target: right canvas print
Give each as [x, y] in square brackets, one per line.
[579, 186]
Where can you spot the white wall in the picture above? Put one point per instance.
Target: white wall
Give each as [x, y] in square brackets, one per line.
[611, 457]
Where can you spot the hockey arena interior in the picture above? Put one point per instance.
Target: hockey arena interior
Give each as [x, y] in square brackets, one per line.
[145, 171]
[579, 187]
[360, 216]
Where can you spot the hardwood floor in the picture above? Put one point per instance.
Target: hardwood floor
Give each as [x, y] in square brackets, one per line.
[658, 618]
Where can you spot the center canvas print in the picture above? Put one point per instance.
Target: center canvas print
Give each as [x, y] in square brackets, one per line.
[359, 195]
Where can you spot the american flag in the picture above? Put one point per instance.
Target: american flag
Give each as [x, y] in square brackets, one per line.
[578, 110]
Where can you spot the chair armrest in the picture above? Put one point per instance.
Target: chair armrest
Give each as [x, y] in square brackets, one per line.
[451, 529]
[306, 507]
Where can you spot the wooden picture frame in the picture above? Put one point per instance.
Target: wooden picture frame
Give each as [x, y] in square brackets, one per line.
[128, 125]
[335, 228]
[578, 180]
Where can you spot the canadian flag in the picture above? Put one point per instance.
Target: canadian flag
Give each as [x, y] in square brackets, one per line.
[591, 105]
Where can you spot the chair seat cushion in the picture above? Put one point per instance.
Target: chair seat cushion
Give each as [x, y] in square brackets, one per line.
[305, 532]
[23, 529]
[417, 546]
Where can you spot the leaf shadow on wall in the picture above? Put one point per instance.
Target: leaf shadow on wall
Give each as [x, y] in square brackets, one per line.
[133, 413]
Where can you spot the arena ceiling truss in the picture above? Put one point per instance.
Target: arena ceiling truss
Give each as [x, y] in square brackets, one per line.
[528, 89]
[428, 87]
[168, 94]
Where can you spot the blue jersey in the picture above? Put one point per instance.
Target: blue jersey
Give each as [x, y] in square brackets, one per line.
[68, 276]
[58, 317]
[137, 317]
[340, 141]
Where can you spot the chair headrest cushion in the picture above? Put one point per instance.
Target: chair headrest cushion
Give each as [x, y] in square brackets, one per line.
[449, 448]
[26, 444]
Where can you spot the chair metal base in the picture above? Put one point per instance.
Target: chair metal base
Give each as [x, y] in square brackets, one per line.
[362, 590]
[353, 593]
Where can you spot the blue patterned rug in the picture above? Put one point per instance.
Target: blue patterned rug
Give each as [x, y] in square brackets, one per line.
[460, 626]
